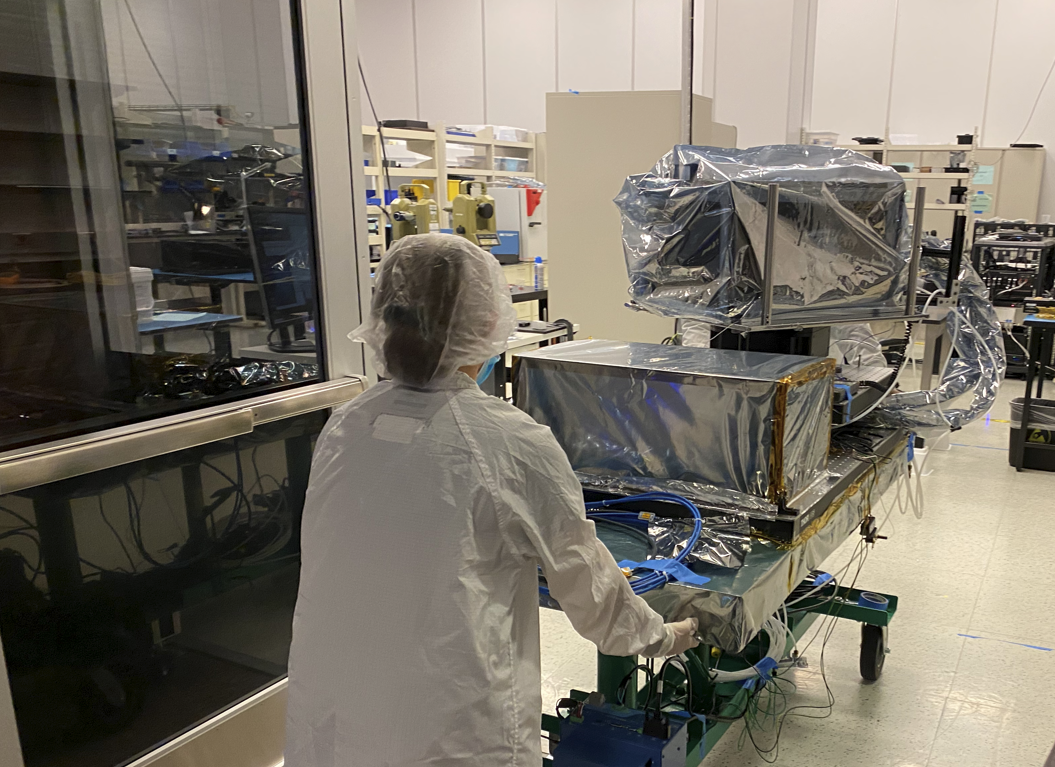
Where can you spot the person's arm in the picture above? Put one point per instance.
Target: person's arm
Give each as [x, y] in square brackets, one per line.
[580, 571]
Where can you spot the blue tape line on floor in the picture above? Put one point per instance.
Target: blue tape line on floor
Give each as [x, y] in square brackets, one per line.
[1008, 641]
[980, 447]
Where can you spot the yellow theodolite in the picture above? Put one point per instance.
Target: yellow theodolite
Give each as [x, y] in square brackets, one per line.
[413, 212]
[474, 215]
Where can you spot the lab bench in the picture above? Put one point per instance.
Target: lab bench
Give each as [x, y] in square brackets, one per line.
[170, 322]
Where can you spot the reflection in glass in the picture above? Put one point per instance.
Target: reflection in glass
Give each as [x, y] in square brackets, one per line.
[156, 246]
[138, 601]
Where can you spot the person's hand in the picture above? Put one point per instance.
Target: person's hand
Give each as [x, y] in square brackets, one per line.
[684, 635]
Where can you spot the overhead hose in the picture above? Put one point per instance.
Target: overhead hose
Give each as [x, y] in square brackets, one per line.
[642, 580]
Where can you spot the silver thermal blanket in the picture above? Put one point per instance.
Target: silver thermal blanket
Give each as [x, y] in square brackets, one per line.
[748, 422]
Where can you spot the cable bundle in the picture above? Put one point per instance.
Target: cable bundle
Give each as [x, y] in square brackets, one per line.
[779, 633]
[648, 580]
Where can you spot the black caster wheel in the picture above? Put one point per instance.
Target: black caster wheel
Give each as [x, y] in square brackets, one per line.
[873, 651]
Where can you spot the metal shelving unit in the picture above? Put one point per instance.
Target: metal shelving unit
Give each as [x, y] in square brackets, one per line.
[433, 144]
[882, 153]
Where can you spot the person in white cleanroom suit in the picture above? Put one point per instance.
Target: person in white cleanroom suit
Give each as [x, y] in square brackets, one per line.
[430, 508]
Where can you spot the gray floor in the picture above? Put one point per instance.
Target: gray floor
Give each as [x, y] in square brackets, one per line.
[966, 682]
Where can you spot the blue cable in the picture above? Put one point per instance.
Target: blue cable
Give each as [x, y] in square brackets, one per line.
[651, 579]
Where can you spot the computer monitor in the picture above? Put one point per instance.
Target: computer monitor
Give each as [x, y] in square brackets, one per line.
[280, 243]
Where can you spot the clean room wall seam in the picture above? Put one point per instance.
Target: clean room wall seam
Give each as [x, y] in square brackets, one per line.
[633, 45]
[414, 46]
[483, 56]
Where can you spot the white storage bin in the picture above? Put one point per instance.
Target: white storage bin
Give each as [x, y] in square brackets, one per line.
[821, 138]
[506, 133]
[143, 284]
[514, 164]
[466, 161]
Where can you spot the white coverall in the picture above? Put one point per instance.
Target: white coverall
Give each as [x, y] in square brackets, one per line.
[416, 638]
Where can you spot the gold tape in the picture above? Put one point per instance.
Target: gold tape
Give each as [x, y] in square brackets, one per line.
[777, 490]
[822, 521]
[819, 369]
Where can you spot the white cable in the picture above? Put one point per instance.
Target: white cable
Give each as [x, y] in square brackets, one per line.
[794, 639]
[1036, 103]
[910, 496]
[778, 638]
[920, 471]
[899, 486]
[930, 298]
[893, 384]
[835, 578]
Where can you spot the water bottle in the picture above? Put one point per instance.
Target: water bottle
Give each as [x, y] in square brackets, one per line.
[540, 277]
[981, 202]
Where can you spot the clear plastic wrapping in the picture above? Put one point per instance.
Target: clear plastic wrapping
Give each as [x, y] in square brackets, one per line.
[1041, 413]
[752, 423]
[972, 377]
[694, 232]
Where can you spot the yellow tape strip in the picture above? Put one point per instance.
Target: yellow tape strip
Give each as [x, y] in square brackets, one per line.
[821, 522]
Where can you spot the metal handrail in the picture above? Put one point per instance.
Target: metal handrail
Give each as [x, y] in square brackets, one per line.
[39, 465]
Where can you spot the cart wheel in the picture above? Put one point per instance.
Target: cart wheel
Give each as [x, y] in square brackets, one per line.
[873, 651]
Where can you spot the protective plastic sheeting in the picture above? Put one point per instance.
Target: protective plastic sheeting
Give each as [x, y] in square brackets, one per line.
[694, 232]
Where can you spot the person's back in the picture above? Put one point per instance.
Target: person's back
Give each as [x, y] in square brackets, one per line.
[430, 508]
[404, 572]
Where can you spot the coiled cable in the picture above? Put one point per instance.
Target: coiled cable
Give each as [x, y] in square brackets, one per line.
[643, 581]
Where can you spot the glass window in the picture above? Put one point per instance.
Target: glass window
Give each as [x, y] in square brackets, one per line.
[156, 239]
[138, 601]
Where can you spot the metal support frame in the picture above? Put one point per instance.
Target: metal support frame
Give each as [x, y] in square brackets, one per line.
[917, 250]
[936, 351]
[612, 670]
[688, 12]
[772, 203]
[936, 345]
[814, 320]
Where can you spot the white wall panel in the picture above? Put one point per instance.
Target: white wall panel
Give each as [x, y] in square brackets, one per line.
[751, 72]
[386, 50]
[450, 61]
[594, 44]
[1022, 57]
[205, 52]
[941, 61]
[239, 58]
[187, 25]
[657, 44]
[851, 73]
[144, 85]
[520, 57]
[270, 72]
